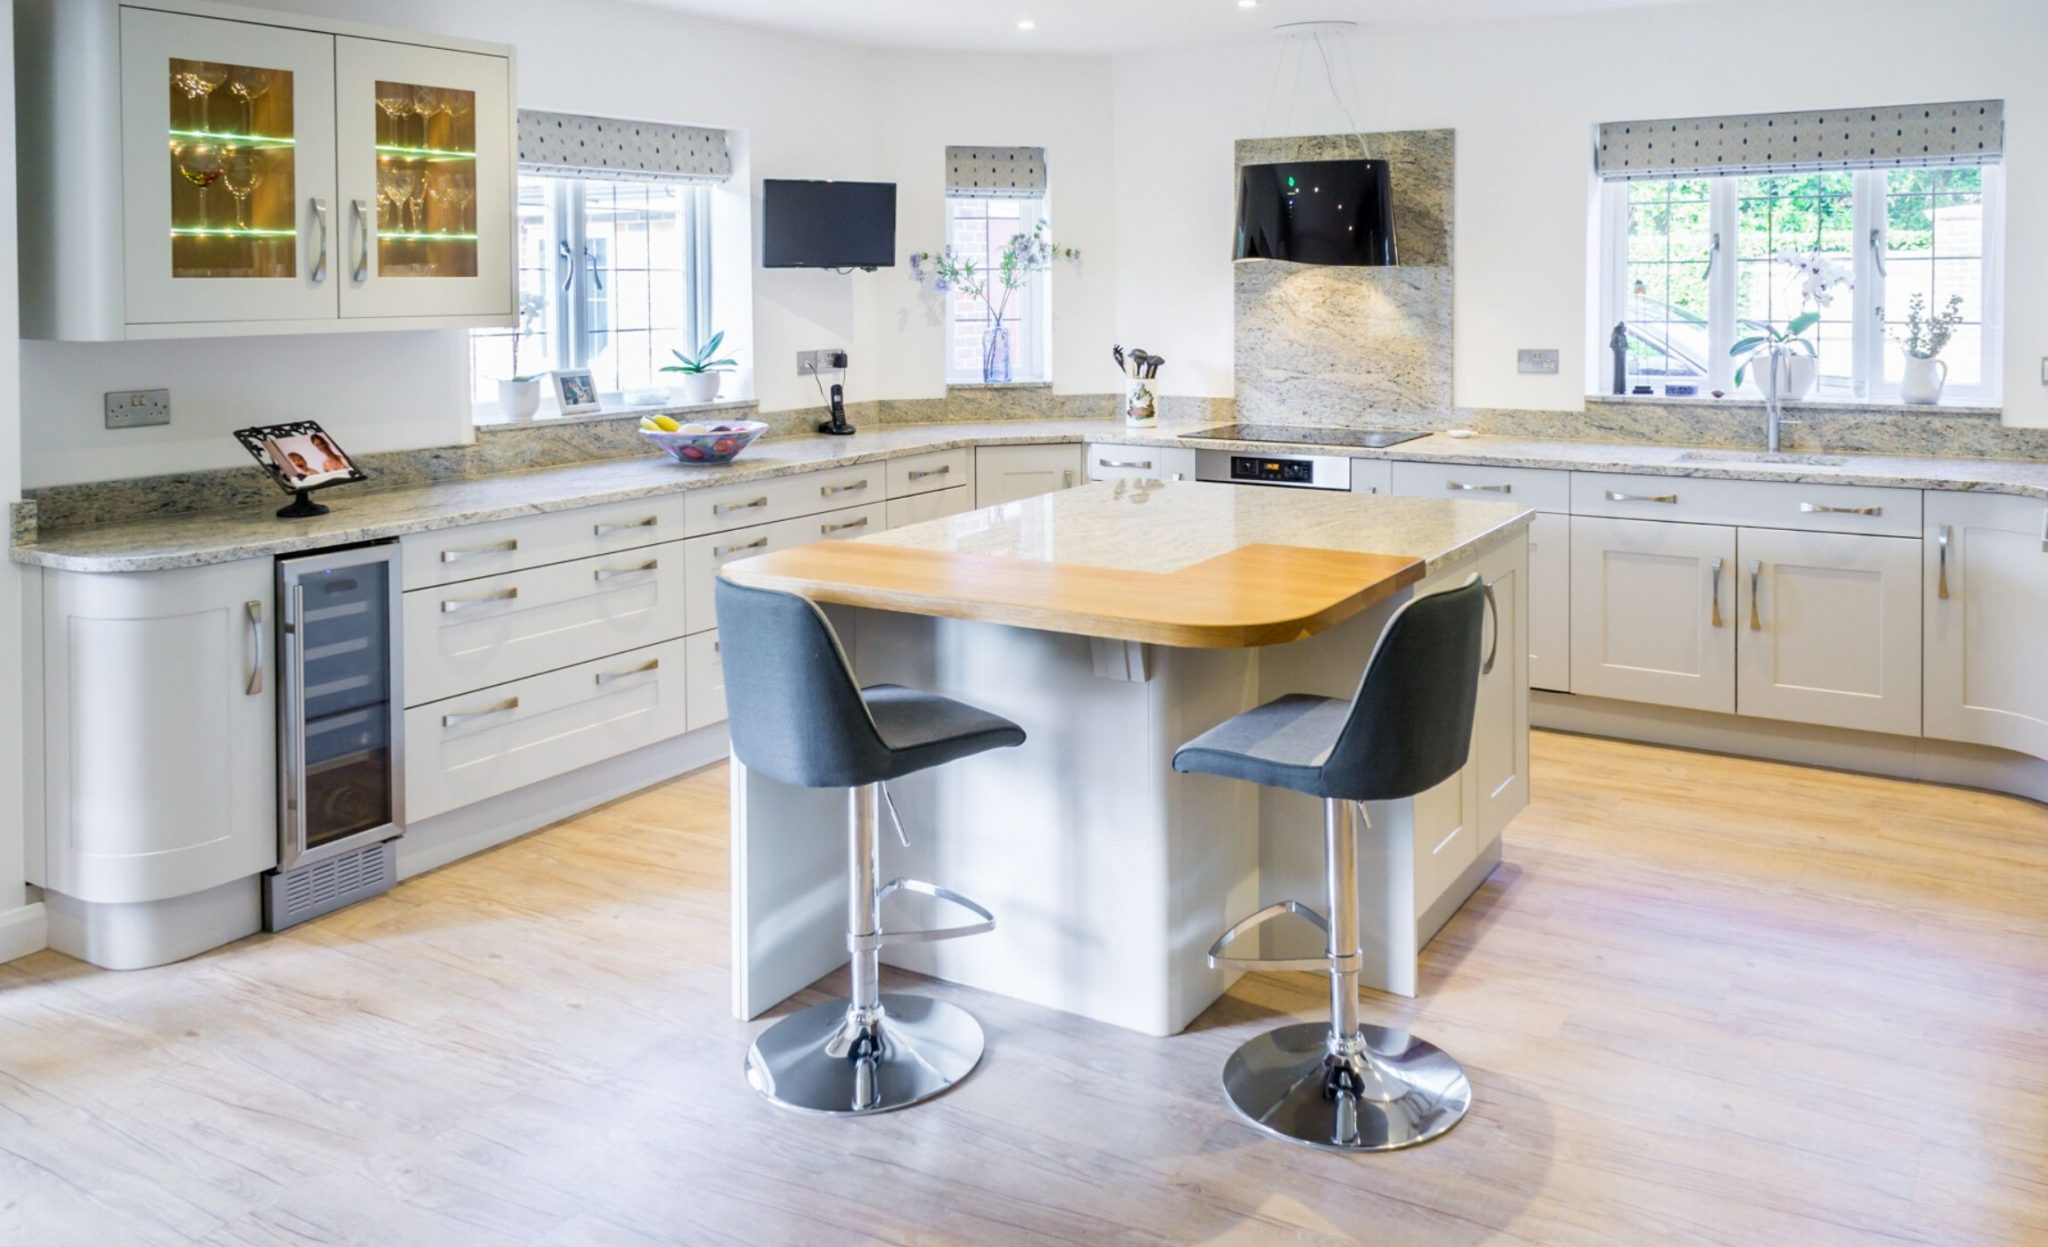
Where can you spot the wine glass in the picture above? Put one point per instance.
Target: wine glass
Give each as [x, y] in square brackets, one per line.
[396, 189]
[457, 192]
[202, 165]
[249, 85]
[457, 104]
[242, 172]
[426, 101]
[418, 195]
[396, 102]
[199, 80]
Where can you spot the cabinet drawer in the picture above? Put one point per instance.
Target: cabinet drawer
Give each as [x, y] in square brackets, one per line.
[1757, 504]
[1108, 462]
[475, 550]
[920, 474]
[463, 749]
[1537, 488]
[1372, 476]
[703, 556]
[764, 502]
[921, 507]
[704, 689]
[485, 632]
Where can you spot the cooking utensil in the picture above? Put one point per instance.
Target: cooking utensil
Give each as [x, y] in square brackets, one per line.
[1118, 351]
[1152, 363]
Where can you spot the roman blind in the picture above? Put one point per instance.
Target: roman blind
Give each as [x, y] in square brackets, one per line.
[570, 145]
[995, 172]
[1896, 136]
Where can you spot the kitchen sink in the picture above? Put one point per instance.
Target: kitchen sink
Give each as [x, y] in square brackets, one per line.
[1763, 456]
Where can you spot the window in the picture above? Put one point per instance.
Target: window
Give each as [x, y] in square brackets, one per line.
[614, 276]
[1692, 265]
[978, 229]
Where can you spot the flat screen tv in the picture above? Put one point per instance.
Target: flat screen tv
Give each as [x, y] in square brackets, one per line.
[828, 224]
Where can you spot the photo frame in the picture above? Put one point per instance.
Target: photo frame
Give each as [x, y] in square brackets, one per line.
[576, 391]
[300, 457]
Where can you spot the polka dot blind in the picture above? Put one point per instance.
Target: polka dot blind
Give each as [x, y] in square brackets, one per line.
[995, 172]
[568, 145]
[1895, 136]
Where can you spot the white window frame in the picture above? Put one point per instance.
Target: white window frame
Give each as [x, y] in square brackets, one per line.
[1032, 313]
[1868, 343]
[570, 275]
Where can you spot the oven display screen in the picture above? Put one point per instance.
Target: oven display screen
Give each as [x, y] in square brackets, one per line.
[1273, 471]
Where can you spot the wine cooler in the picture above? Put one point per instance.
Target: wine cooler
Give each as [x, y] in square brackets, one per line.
[340, 723]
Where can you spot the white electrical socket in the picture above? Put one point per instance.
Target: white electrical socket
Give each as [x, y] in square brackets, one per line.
[816, 363]
[135, 409]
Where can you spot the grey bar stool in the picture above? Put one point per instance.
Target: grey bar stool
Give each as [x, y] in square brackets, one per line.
[797, 716]
[1348, 1086]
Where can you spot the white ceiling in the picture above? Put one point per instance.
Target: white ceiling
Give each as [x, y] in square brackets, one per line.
[1106, 26]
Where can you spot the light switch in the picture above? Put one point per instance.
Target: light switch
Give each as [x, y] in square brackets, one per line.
[1539, 363]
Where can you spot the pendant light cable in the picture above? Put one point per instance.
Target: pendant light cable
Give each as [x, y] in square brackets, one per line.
[1330, 76]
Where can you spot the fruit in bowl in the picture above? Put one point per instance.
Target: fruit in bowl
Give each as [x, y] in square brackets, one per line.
[701, 442]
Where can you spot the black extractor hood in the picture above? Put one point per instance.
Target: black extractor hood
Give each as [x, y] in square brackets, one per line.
[1337, 212]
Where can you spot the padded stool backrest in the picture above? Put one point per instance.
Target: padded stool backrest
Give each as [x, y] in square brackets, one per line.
[1410, 726]
[793, 709]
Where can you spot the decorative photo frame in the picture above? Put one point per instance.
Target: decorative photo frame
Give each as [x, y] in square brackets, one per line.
[300, 457]
[576, 391]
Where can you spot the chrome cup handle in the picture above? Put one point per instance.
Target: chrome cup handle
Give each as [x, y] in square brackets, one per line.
[1715, 592]
[362, 211]
[1493, 608]
[319, 273]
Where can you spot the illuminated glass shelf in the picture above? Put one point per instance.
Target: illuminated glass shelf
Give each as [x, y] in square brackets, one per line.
[390, 236]
[423, 153]
[246, 140]
[236, 232]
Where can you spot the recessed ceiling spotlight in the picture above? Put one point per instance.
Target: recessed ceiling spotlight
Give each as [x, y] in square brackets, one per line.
[1247, 4]
[1027, 24]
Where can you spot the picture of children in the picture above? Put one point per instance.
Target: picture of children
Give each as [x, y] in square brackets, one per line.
[306, 461]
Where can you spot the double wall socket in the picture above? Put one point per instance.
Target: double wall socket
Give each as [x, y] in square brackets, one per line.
[135, 409]
[817, 363]
[1542, 363]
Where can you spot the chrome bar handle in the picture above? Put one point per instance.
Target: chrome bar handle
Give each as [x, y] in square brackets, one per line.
[719, 552]
[862, 522]
[1467, 487]
[606, 530]
[255, 685]
[613, 573]
[1138, 465]
[362, 211]
[450, 606]
[456, 556]
[832, 491]
[938, 471]
[1667, 499]
[294, 672]
[1493, 650]
[607, 677]
[1816, 508]
[457, 720]
[1716, 592]
[1941, 579]
[727, 508]
[319, 273]
[1756, 575]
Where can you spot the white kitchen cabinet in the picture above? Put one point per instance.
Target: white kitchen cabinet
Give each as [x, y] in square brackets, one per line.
[1108, 462]
[1828, 629]
[202, 170]
[1985, 591]
[1372, 476]
[937, 505]
[704, 683]
[1499, 765]
[160, 763]
[1652, 612]
[1549, 606]
[1006, 473]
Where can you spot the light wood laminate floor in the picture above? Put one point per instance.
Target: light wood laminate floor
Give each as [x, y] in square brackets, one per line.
[1704, 1001]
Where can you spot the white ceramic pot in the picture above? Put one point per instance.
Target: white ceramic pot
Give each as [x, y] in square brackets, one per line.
[1800, 374]
[519, 399]
[1141, 406]
[695, 387]
[1923, 380]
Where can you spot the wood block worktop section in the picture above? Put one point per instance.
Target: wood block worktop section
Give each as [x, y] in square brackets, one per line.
[1188, 565]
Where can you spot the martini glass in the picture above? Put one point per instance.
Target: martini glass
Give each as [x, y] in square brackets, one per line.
[396, 102]
[248, 86]
[199, 80]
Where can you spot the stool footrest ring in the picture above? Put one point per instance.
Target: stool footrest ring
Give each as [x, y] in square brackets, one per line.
[882, 939]
[1218, 961]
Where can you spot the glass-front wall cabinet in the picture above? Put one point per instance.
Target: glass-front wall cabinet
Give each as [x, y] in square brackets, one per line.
[426, 180]
[232, 202]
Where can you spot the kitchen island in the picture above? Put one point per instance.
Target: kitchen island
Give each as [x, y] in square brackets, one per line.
[1114, 622]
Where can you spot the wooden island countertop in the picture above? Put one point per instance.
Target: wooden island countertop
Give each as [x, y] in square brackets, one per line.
[1198, 566]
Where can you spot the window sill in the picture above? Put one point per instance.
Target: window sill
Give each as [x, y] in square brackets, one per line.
[998, 385]
[1748, 403]
[488, 416]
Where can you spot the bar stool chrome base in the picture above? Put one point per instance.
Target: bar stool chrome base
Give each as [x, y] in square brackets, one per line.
[1389, 1090]
[823, 1060]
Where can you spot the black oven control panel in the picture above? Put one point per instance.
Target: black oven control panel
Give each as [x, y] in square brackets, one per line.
[1262, 470]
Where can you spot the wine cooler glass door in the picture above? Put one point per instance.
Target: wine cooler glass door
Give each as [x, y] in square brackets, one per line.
[426, 180]
[228, 171]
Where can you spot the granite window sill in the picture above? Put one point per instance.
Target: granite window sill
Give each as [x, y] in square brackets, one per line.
[999, 385]
[1844, 405]
[489, 417]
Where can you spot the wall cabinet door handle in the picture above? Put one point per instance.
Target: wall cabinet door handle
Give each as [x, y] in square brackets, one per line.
[1138, 465]
[1756, 575]
[831, 491]
[319, 273]
[362, 214]
[451, 605]
[255, 612]
[1816, 508]
[457, 720]
[606, 530]
[719, 552]
[456, 556]
[1714, 591]
[613, 573]
[727, 508]
[1470, 488]
[606, 677]
[1667, 499]
[862, 522]
[931, 472]
[1941, 579]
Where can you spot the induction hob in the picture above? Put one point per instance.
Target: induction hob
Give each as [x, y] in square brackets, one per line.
[1306, 435]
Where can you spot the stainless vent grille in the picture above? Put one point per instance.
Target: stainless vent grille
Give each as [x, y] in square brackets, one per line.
[292, 896]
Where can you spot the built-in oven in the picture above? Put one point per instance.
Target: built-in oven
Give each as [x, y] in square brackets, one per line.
[340, 731]
[1237, 467]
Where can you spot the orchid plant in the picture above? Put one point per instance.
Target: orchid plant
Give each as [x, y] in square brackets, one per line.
[1023, 257]
[531, 308]
[1820, 277]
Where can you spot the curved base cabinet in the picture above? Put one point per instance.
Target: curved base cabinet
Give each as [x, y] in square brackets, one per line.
[141, 934]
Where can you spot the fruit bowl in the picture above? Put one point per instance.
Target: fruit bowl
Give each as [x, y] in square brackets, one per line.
[706, 444]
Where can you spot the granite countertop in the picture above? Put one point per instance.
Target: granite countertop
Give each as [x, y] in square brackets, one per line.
[219, 537]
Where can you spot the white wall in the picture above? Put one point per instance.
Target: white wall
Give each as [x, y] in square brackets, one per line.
[14, 935]
[1524, 98]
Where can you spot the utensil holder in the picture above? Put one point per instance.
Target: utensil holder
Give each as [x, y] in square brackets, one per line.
[1141, 405]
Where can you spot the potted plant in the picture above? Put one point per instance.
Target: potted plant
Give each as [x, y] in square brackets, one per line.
[519, 396]
[1789, 362]
[698, 375]
[1924, 340]
[1023, 256]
